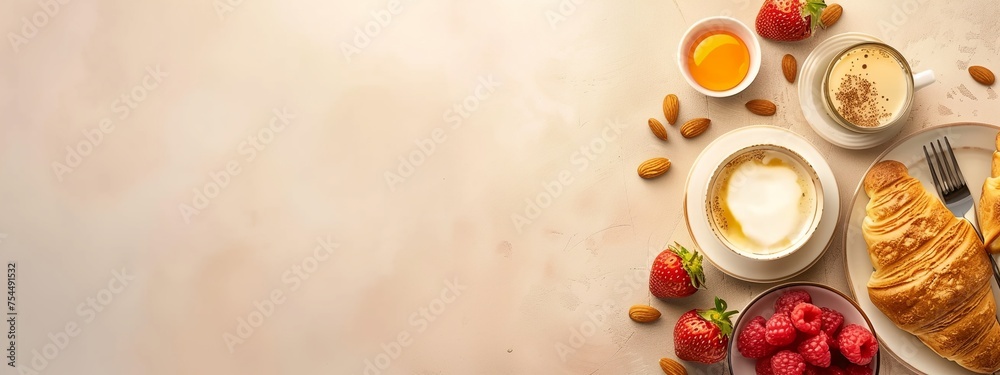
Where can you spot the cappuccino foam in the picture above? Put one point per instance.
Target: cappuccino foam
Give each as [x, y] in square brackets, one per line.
[763, 202]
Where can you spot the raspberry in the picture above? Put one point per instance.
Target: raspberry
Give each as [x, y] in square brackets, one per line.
[779, 330]
[787, 301]
[832, 343]
[787, 362]
[834, 370]
[813, 370]
[807, 318]
[751, 343]
[832, 319]
[763, 366]
[837, 359]
[853, 369]
[799, 338]
[857, 344]
[815, 350]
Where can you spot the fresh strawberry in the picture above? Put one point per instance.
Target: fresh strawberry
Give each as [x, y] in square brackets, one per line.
[789, 20]
[676, 272]
[703, 335]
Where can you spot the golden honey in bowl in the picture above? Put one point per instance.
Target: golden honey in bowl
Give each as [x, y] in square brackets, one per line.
[718, 60]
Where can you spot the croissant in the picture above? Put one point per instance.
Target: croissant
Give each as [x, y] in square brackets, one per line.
[931, 272]
[989, 205]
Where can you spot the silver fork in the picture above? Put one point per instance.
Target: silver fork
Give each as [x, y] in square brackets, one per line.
[953, 190]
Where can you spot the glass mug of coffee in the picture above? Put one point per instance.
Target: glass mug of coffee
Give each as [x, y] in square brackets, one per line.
[869, 87]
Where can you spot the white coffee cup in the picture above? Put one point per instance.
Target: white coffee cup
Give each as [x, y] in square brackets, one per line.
[869, 87]
[764, 202]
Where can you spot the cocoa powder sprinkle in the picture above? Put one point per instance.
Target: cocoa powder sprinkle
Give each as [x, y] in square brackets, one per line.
[859, 100]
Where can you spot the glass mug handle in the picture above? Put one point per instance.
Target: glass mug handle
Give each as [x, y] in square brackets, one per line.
[923, 79]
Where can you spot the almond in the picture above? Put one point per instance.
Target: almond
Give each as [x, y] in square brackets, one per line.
[982, 75]
[671, 108]
[658, 129]
[672, 367]
[649, 169]
[695, 127]
[831, 15]
[643, 313]
[762, 107]
[789, 68]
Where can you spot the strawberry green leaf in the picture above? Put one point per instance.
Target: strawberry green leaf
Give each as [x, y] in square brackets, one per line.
[720, 317]
[813, 9]
[692, 263]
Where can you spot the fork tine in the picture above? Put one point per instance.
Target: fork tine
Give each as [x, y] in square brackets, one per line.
[946, 165]
[954, 163]
[930, 165]
[945, 177]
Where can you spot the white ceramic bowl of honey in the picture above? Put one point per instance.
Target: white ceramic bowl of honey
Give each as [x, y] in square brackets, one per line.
[719, 56]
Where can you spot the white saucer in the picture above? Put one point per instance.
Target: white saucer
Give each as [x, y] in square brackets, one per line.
[811, 95]
[760, 271]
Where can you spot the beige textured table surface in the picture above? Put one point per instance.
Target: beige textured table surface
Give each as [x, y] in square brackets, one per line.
[273, 187]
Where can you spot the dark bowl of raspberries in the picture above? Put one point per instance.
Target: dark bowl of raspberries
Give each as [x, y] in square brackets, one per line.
[803, 328]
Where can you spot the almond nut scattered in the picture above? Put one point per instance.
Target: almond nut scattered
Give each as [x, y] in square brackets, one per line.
[672, 367]
[657, 128]
[789, 68]
[982, 75]
[762, 107]
[695, 127]
[649, 169]
[671, 108]
[831, 15]
[643, 313]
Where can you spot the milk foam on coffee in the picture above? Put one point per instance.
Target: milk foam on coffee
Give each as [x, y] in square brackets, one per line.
[764, 202]
[868, 86]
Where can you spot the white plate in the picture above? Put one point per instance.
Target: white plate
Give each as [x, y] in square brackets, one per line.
[811, 95]
[760, 271]
[763, 305]
[974, 145]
